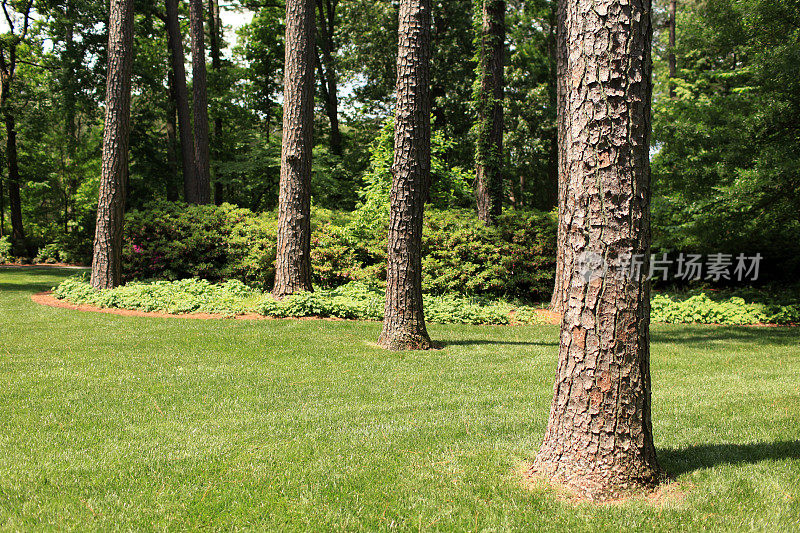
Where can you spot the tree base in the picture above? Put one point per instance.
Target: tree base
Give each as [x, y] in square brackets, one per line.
[401, 340]
[598, 484]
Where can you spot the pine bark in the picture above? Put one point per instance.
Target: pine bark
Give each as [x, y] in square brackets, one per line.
[489, 149]
[202, 190]
[562, 122]
[106, 263]
[599, 437]
[293, 256]
[181, 94]
[404, 321]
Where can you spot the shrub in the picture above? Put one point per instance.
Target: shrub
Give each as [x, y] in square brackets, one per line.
[354, 300]
[702, 309]
[460, 254]
[5, 249]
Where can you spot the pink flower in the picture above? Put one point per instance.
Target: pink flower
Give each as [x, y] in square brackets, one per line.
[137, 249]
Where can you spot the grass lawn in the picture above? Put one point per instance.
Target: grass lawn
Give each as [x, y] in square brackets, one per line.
[110, 422]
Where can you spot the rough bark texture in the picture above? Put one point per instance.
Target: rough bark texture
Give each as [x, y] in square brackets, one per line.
[562, 120]
[599, 438]
[106, 263]
[673, 67]
[293, 260]
[215, 36]
[489, 150]
[173, 194]
[181, 95]
[202, 191]
[327, 70]
[404, 322]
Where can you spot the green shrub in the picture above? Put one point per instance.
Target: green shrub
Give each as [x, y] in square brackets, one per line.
[354, 300]
[702, 309]
[5, 249]
[460, 254]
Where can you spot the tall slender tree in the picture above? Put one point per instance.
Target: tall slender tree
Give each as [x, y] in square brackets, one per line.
[181, 95]
[215, 38]
[293, 260]
[562, 125]
[404, 322]
[106, 262]
[599, 437]
[673, 66]
[326, 66]
[489, 149]
[202, 191]
[9, 61]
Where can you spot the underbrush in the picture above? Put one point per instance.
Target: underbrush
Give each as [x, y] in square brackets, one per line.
[354, 300]
[726, 307]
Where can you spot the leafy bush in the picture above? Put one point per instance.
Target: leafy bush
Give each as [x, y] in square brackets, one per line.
[460, 254]
[5, 249]
[702, 309]
[354, 300]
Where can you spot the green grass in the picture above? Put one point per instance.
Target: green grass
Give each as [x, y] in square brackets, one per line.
[111, 422]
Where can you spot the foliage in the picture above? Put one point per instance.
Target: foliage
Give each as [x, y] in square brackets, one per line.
[725, 175]
[701, 308]
[5, 249]
[460, 254]
[354, 301]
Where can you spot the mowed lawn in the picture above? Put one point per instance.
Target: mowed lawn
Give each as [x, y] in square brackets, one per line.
[110, 422]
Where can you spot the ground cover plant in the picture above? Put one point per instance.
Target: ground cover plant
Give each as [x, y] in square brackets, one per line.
[112, 423]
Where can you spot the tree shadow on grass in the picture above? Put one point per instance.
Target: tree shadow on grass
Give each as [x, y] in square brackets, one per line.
[481, 342]
[26, 279]
[702, 335]
[681, 460]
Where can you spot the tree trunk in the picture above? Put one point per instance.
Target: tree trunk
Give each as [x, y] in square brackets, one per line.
[562, 122]
[599, 438]
[673, 68]
[181, 95]
[293, 258]
[328, 73]
[14, 201]
[106, 263]
[202, 192]
[172, 158]
[214, 31]
[404, 322]
[489, 150]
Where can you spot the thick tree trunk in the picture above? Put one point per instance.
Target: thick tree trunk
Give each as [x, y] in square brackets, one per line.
[181, 94]
[489, 152]
[599, 438]
[171, 127]
[293, 257]
[215, 36]
[562, 122]
[14, 201]
[106, 263]
[327, 14]
[202, 192]
[404, 322]
[673, 67]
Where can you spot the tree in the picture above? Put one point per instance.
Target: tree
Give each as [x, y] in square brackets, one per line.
[106, 261]
[599, 437]
[181, 96]
[9, 60]
[293, 261]
[326, 66]
[201, 193]
[673, 68]
[562, 118]
[215, 36]
[489, 146]
[404, 322]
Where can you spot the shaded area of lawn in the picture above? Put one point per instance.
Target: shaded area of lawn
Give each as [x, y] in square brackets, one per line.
[111, 422]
